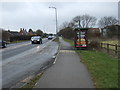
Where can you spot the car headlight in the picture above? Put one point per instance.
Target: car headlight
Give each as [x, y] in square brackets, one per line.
[38, 40]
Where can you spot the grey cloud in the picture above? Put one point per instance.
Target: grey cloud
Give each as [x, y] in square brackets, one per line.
[38, 15]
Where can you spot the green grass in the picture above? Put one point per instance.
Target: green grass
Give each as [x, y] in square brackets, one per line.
[56, 40]
[103, 68]
[70, 41]
[33, 81]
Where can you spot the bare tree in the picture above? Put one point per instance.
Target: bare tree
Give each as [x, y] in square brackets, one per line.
[85, 21]
[107, 21]
[64, 25]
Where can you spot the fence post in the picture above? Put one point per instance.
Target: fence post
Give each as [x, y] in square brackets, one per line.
[107, 48]
[116, 49]
[101, 45]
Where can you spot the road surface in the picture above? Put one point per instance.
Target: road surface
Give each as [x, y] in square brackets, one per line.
[23, 60]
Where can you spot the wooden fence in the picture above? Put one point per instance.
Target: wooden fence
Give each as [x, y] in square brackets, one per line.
[110, 47]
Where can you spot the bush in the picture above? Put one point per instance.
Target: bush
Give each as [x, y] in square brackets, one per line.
[94, 44]
[20, 38]
[67, 33]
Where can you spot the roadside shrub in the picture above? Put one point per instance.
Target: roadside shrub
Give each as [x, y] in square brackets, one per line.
[94, 44]
[67, 33]
[20, 38]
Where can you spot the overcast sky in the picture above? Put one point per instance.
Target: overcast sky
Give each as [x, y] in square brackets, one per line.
[38, 15]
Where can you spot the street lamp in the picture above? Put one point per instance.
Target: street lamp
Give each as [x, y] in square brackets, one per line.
[56, 17]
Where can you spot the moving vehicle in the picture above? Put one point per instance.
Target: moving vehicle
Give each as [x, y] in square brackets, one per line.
[36, 39]
[3, 44]
[81, 38]
[50, 37]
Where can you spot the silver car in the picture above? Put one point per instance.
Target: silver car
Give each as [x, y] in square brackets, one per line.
[36, 39]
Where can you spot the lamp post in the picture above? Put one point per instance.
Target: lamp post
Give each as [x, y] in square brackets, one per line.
[56, 18]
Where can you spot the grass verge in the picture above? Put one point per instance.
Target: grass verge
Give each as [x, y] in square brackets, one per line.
[56, 39]
[103, 68]
[33, 81]
[19, 41]
[70, 41]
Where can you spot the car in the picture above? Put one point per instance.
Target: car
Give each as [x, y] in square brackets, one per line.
[50, 37]
[36, 39]
[3, 44]
[53, 36]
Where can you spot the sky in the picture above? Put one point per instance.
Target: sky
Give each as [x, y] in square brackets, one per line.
[37, 14]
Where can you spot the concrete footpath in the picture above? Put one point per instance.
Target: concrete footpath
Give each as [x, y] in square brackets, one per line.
[67, 72]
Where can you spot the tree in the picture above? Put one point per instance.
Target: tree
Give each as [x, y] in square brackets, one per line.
[107, 21]
[67, 32]
[6, 35]
[30, 30]
[64, 25]
[113, 31]
[39, 32]
[45, 34]
[84, 21]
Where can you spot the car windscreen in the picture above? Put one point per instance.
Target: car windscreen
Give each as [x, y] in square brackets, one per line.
[35, 37]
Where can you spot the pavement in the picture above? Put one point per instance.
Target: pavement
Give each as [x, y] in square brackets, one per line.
[67, 72]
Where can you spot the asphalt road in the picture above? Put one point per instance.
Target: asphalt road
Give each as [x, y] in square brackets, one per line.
[23, 60]
[18, 48]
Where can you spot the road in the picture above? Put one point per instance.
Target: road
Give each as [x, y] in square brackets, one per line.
[21, 47]
[23, 60]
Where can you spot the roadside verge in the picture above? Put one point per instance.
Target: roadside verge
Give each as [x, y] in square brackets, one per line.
[103, 67]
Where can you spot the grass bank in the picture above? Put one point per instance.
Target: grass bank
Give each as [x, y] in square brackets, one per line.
[103, 68]
[19, 41]
[56, 39]
[33, 81]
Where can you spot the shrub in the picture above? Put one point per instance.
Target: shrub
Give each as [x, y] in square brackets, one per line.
[20, 37]
[94, 44]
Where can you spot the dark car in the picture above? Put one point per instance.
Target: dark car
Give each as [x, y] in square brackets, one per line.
[36, 39]
[3, 44]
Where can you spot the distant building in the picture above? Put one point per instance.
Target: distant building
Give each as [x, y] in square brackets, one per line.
[23, 31]
[30, 32]
[94, 32]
